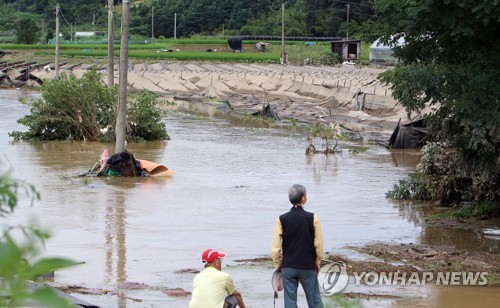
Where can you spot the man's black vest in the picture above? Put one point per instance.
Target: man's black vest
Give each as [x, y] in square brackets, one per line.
[298, 239]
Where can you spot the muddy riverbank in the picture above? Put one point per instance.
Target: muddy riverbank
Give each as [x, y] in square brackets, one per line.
[402, 265]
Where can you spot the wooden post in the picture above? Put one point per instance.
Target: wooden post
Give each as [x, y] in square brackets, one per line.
[175, 26]
[43, 32]
[122, 101]
[283, 60]
[347, 34]
[153, 23]
[57, 42]
[111, 47]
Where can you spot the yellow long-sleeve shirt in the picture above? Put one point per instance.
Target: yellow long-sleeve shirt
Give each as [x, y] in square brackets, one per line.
[276, 248]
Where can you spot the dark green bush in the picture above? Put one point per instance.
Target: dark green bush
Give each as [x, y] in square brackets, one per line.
[411, 188]
[436, 178]
[85, 109]
[484, 210]
[144, 118]
[326, 58]
[70, 109]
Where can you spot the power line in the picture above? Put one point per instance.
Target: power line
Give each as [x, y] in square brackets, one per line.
[63, 19]
[362, 14]
[354, 3]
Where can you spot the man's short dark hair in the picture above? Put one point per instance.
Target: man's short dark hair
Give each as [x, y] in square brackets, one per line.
[295, 193]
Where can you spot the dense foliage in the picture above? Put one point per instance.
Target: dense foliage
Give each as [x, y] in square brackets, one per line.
[450, 63]
[85, 109]
[144, 118]
[214, 17]
[70, 108]
[259, 17]
[27, 31]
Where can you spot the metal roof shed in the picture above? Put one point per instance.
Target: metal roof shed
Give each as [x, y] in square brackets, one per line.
[348, 50]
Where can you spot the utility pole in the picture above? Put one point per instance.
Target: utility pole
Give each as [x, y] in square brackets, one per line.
[57, 41]
[93, 23]
[43, 32]
[283, 33]
[175, 26]
[111, 46]
[347, 22]
[122, 99]
[153, 23]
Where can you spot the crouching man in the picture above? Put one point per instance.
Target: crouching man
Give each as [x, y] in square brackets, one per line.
[212, 288]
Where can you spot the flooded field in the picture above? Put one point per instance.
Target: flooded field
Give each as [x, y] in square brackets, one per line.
[230, 184]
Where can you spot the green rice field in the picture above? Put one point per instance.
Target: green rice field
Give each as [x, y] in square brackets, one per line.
[185, 50]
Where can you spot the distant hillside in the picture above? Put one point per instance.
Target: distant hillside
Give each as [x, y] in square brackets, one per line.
[204, 17]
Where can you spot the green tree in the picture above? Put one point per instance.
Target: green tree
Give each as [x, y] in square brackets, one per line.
[450, 63]
[144, 118]
[367, 31]
[85, 109]
[303, 17]
[70, 108]
[7, 16]
[27, 31]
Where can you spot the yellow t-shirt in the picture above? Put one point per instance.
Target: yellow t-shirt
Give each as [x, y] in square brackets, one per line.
[210, 288]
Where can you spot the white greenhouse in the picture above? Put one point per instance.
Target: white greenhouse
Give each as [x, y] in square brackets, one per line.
[383, 54]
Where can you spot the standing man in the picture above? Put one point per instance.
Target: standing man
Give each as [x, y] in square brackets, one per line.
[297, 248]
[213, 288]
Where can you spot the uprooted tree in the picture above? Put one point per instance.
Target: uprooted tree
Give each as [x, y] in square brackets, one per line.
[330, 134]
[449, 62]
[85, 109]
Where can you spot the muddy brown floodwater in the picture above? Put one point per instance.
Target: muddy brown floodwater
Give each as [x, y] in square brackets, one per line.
[230, 184]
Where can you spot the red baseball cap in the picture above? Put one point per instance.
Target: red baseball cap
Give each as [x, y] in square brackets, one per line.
[209, 255]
